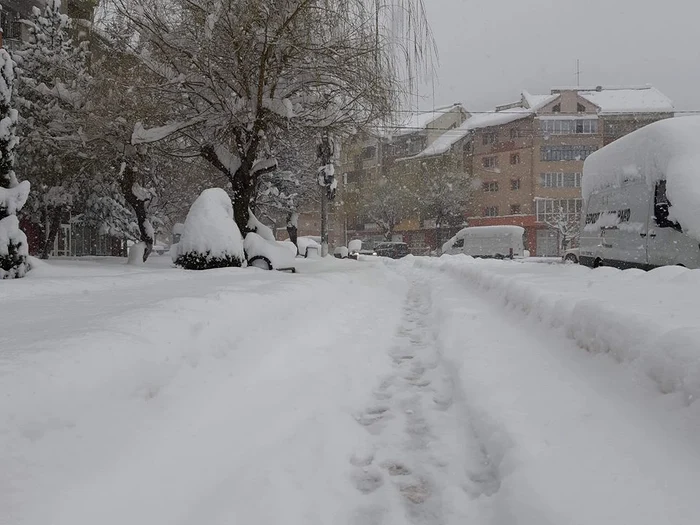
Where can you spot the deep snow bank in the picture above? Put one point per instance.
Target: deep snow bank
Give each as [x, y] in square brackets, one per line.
[645, 319]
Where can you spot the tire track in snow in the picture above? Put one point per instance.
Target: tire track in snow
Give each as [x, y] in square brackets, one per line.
[423, 458]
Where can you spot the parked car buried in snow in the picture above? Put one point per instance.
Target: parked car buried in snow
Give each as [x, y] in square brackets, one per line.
[498, 242]
[641, 198]
[269, 255]
[571, 255]
[395, 250]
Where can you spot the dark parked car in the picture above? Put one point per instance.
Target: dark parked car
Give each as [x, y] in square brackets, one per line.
[395, 250]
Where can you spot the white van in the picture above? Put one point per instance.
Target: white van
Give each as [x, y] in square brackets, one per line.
[642, 199]
[487, 241]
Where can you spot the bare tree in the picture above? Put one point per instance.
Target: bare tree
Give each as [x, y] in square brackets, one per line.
[567, 226]
[234, 72]
[387, 202]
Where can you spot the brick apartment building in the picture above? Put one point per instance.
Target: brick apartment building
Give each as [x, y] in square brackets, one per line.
[530, 164]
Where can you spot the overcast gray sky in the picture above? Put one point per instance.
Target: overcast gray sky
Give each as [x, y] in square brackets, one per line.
[491, 50]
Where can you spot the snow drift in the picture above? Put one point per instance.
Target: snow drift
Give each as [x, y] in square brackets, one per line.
[210, 237]
[644, 319]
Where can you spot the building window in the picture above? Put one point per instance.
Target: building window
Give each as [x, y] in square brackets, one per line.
[468, 147]
[556, 108]
[369, 153]
[515, 158]
[513, 133]
[490, 162]
[351, 177]
[569, 127]
[515, 209]
[514, 184]
[491, 186]
[549, 210]
[491, 211]
[560, 180]
[580, 108]
[488, 138]
[556, 153]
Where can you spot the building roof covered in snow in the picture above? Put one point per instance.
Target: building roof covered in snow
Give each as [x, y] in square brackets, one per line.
[646, 99]
[423, 119]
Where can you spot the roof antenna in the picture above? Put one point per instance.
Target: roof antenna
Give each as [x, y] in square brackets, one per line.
[578, 73]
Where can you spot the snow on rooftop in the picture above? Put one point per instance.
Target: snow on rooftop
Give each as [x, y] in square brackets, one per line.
[422, 119]
[665, 150]
[483, 120]
[537, 102]
[647, 99]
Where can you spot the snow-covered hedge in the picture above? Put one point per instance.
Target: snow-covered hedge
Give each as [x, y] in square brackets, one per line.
[210, 237]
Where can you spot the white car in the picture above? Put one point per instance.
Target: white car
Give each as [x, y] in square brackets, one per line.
[571, 255]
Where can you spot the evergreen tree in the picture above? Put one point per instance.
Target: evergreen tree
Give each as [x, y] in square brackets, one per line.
[13, 195]
[52, 84]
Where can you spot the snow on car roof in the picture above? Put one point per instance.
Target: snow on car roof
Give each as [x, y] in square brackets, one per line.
[668, 150]
[485, 231]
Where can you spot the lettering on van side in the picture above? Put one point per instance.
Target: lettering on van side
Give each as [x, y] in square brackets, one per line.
[621, 215]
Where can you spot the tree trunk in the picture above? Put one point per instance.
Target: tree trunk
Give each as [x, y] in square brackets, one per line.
[242, 189]
[139, 206]
[52, 225]
[242, 183]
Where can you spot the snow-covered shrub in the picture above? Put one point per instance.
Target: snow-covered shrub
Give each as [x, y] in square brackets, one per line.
[210, 237]
[14, 251]
[341, 252]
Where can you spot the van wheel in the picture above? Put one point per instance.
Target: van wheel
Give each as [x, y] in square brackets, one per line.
[598, 263]
[571, 258]
[260, 261]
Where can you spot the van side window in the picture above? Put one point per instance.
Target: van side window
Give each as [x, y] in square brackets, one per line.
[459, 243]
[661, 206]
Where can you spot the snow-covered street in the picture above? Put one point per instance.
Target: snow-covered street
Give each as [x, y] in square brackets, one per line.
[426, 391]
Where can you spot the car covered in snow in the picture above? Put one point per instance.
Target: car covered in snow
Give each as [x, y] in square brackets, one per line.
[393, 249]
[641, 198]
[497, 242]
[572, 255]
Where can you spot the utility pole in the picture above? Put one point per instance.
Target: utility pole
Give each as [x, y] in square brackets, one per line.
[326, 179]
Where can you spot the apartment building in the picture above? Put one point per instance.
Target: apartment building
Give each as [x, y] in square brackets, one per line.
[529, 162]
[400, 153]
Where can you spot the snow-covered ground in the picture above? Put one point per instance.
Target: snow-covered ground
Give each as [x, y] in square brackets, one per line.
[428, 391]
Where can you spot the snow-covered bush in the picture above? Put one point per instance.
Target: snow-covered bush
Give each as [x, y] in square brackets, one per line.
[13, 195]
[341, 252]
[210, 237]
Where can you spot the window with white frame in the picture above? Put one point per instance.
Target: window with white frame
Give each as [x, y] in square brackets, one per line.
[568, 152]
[560, 180]
[491, 186]
[488, 137]
[491, 211]
[547, 210]
[489, 162]
[569, 127]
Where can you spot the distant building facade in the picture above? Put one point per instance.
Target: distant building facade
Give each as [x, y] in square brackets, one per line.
[530, 169]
